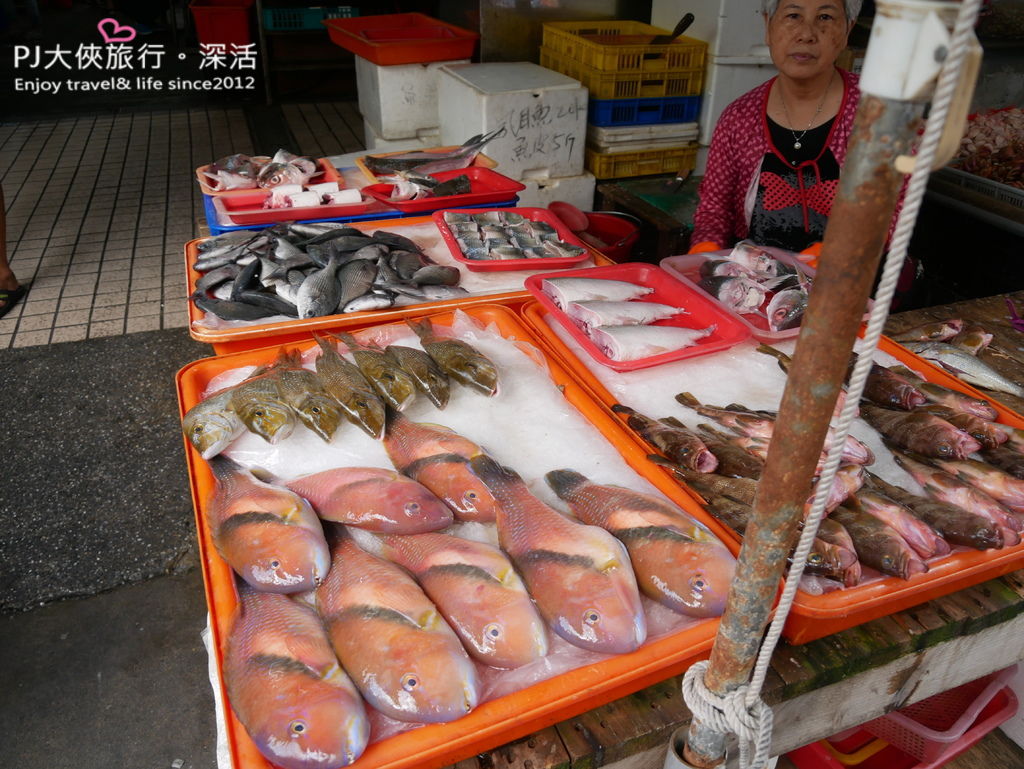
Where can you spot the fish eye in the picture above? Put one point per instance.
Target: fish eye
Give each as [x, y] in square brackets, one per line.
[315, 409]
[297, 728]
[815, 558]
[887, 561]
[362, 404]
[944, 449]
[197, 429]
[410, 681]
[412, 507]
[493, 631]
[698, 582]
[591, 616]
[259, 412]
[275, 564]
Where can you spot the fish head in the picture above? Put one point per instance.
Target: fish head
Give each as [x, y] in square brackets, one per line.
[319, 726]
[428, 677]
[497, 620]
[786, 309]
[415, 507]
[365, 411]
[395, 386]
[593, 606]
[210, 433]
[828, 560]
[707, 583]
[272, 555]
[270, 419]
[320, 413]
[901, 562]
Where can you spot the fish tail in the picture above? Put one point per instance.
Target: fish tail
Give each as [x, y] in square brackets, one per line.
[564, 482]
[783, 359]
[324, 344]
[424, 328]
[618, 408]
[672, 422]
[345, 338]
[688, 400]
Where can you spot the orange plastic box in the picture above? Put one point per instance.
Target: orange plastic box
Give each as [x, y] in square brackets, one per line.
[402, 38]
[498, 721]
[815, 616]
[257, 334]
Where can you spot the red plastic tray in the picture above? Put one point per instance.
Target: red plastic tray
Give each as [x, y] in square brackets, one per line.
[486, 186]
[497, 265]
[667, 290]
[402, 38]
[686, 267]
[327, 173]
[505, 718]
[248, 209]
[815, 616]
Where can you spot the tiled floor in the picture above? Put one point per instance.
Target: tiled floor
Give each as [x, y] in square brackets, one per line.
[100, 206]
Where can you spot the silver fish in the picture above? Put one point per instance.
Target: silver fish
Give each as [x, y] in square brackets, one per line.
[786, 309]
[320, 293]
[965, 366]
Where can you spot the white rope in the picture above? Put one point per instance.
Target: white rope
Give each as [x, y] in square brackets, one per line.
[742, 711]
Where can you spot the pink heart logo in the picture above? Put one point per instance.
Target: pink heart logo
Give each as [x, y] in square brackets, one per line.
[119, 33]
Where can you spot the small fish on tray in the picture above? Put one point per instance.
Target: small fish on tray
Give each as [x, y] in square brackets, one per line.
[309, 270]
[503, 235]
[431, 162]
[562, 291]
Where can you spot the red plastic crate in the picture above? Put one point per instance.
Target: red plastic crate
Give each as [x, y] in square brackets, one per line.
[929, 729]
[222, 21]
[861, 750]
[402, 38]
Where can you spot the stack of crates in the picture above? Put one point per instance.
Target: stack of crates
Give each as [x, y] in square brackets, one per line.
[644, 99]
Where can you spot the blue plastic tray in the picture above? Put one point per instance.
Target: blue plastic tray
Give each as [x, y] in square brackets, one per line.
[613, 112]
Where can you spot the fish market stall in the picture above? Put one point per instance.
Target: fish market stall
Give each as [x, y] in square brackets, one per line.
[822, 687]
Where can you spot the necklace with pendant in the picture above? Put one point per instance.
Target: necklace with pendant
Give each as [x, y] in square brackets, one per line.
[796, 139]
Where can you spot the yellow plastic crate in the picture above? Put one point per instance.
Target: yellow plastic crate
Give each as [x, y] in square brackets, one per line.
[626, 85]
[615, 165]
[622, 46]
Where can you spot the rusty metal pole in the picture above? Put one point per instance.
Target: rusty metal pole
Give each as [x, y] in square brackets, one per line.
[854, 238]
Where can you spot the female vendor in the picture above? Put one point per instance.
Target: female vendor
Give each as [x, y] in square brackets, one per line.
[774, 161]
[773, 165]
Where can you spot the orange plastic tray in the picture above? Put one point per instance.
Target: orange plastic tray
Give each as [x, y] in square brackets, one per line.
[815, 616]
[328, 173]
[226, 340]
[498, 721]
[480, 161]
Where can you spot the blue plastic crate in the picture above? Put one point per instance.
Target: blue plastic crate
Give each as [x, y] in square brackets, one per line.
[292, 19]
[217, 229]
[615, 112]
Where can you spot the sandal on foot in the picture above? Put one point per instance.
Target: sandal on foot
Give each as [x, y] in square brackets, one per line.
[11, 298]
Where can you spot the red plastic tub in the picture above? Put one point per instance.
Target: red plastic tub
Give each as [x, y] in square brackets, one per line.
[701, 312]
[485, 185]
[402, 38]
[224, 22]
[618, 233]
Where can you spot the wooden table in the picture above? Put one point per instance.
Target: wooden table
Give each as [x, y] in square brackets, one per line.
[664, 206]
[838, 681]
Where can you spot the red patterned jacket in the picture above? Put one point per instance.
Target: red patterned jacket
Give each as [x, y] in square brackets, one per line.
[738, 145]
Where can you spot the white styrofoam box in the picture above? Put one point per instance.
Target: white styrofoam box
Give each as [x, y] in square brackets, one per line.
[730, 28]
[400, 99]
[424, 137]
[578, 190]
[544, 114]
[662, 133]
[1014, 727]
[724, 82]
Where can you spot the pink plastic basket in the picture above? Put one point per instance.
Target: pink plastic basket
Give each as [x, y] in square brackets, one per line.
[931, 728]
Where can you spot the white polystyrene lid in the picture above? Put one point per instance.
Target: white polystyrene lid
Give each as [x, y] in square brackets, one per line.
[504, 76]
